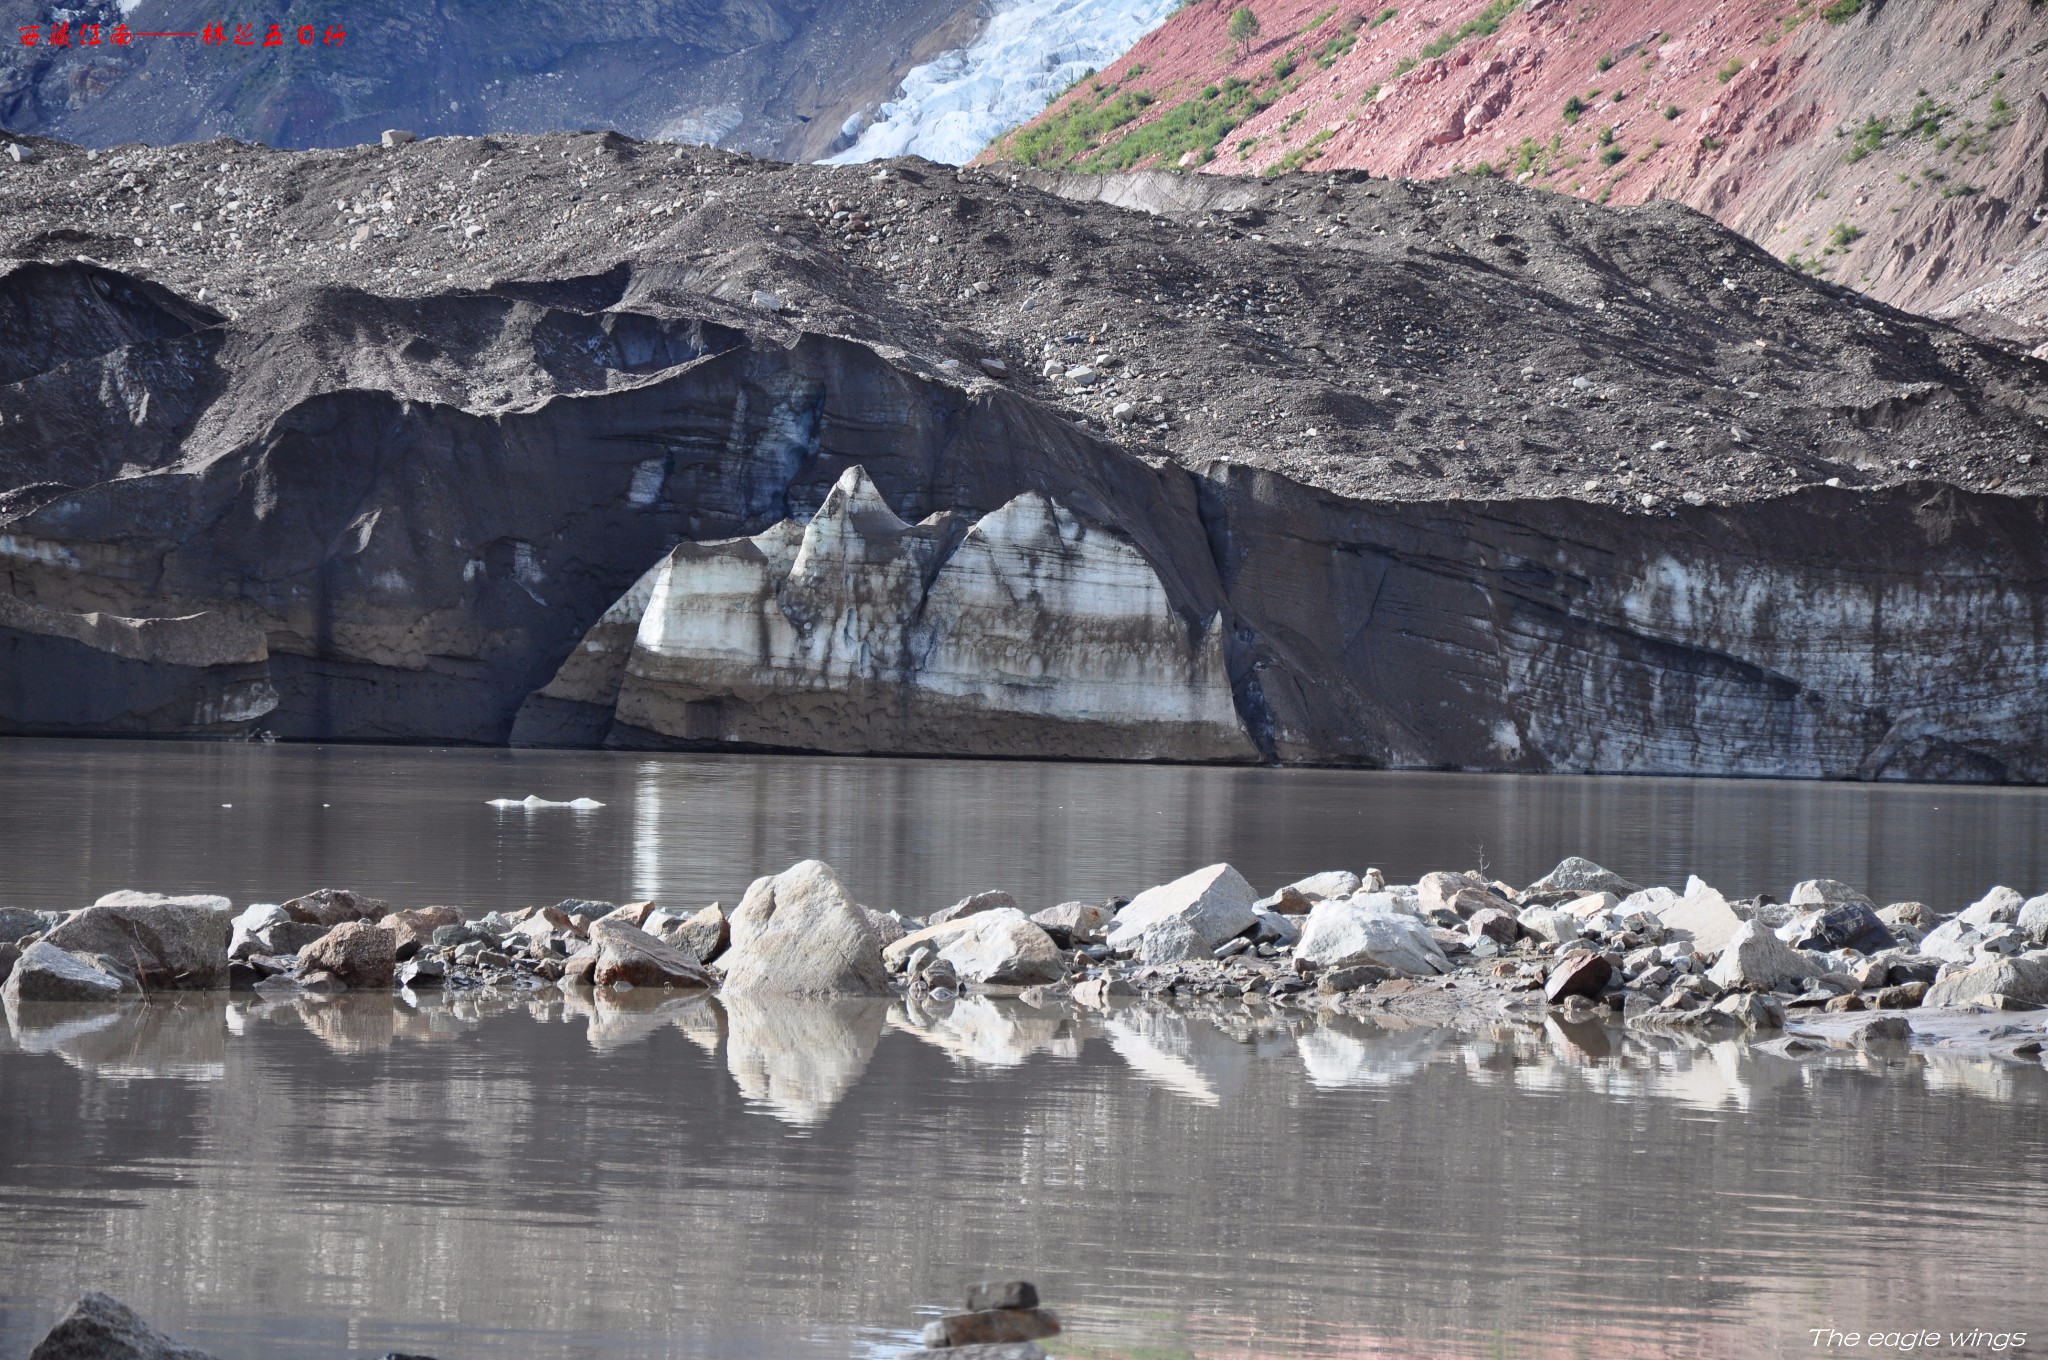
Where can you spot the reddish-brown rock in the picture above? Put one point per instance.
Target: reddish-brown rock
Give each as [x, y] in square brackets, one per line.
[359, 955]
[626, 953]
[1578, 974]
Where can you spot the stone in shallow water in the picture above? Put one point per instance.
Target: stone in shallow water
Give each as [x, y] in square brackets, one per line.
[800, 933]
[165, 943]
[47, 973]
[1368, 930]
[704, 935]
[334, 906]
[1018, 1350]
[628, 954]
[2023, 979]
[101, 1327]
[355, 953]
[1581, 974]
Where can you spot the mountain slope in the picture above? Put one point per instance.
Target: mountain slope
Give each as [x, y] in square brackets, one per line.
[774, 77]
[1899, 148]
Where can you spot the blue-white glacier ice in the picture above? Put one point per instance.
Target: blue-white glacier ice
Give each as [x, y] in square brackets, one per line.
[951, 108]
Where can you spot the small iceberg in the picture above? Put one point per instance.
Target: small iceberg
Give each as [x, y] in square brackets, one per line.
[531, 801]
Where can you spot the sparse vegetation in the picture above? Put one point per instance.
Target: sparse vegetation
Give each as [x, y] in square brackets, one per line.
[1613, 155]
[1672, 111]
[1573, 109]
[1841, 11]
[1606, 62]
[1844, 235]
[1243, 29]
[1484, 24]
[1386, 16]
[1730, 71]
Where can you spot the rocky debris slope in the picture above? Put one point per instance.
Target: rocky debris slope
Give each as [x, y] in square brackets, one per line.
[774, 77]
[1487, 479]
[1893, 148]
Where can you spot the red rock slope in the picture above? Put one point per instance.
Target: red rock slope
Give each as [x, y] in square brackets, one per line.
[1896, 146]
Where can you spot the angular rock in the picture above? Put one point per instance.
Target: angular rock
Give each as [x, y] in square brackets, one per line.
[1575, 877]
[1446, 891]
[2032, 921]
[1273, 928]
[1173, 940]
[1755, 959]
[704, 935]
[335, 906]
[1496, 924]
[243, 939]
[1096, 991]
[422, 970]
[1077, 922]
[1999, 907]
[1702, 916]
[991, 1327]
[164, 943]
[359, 956]
[628, 954]
[1215, 903]
[1755, 1010]
[414, 929]
[1879, 1030]
[634, 914]
[1329, 883]
[1289, 901]
[15, 922]
[1592, 906]
[1548, 923]
[800, 933]
[1369, 930]
[1918, 915]
[1826, 892]
[2024, 979]
[1953, 941]
[1004, 948]
[101, 1327]
[1001, 1294]
[45, 972]
[1843, 925]
[993, 900]
[1578, 974]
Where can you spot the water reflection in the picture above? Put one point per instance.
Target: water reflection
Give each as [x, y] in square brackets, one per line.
[1220, 1181]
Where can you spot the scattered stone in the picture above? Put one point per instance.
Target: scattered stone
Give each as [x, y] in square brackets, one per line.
[1999, 907]
[1879, 1030]
[704, 935]
[415, 929]
[398, 137]
[101, 1327]
[1549, 924]
[1702, 916]
[2023, 979]
[1755, 959]
[1914, 914]
[1370, 930]
[634, 914]
[1826, 892]
[628, 954]
[972, 904]
[1213, 903]
[16, 923]
[1952, 942]
[1329, 883]
[356, 954]
[1900, 996]
[1580, 974]
[1496, 924]
[1335, 981]
[798, 932]
[1289, 901]
[1575, 877]
[1096, 991]
[1754, 1010]
[1074, 923]
[422, 971]
[45, 972]
[1843, 925]
[164, 943]
[334, 906]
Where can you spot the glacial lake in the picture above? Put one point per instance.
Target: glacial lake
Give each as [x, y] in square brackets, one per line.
[533, 1175]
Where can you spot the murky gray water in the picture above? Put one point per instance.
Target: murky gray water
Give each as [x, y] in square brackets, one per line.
[521, 1177]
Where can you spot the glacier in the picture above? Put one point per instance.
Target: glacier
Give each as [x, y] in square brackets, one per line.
[949, 109]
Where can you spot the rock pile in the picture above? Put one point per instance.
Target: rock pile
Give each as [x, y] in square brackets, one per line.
[1003, 1321]
[1581, 940]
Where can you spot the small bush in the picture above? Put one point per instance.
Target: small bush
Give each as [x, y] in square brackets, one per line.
[1612, 155]
[1573, 108]
[1386, 16]
[1841, 11]
[1844, 235]
[1730, 71]
[1672, 111]
[1606, 62]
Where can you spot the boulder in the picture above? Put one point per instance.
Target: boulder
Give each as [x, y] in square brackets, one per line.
[799, 933]
[45, 972]
[1173, 940]
[1953, 941]
[101, 1327]
[991, 900]
[1289, 901]
[1702, 916]
[1753, 1010]
[1999, 907]
[704, 935]
[1459, 894]
[1002, 1294]
[1096, 991]
[1215, 903]
[1496, 924]
[16, 922]
[888, 926]
[1878, 1031]
[2032, 921]
[1004, 948]
[244, 930]
[1369, 930]
[1548, 923]
[1592, 905]
[414, 929]
[1914, 914]
[634, 914]
[1826, 892]
[628, 954]
[1575, 877]
[990, 1327]
[1754, 959]
[357, 954]
[336, 906]
[2023, 979]
[165, 943]
[1843, 925]
[1329, 883]
[1578, 974]
[1074, 922]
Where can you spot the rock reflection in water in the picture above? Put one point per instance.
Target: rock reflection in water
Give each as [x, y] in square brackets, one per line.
[301, 1177]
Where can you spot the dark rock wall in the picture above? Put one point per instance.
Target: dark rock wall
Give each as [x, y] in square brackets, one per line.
[420, 556]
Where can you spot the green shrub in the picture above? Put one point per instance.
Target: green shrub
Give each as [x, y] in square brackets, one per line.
[1573, 107]
[1482, 25]
[1730, 71]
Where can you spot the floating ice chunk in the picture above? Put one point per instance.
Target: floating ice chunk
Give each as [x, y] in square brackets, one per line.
[532, 801]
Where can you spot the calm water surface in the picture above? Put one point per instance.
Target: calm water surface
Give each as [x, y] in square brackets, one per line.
[534, 1176]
